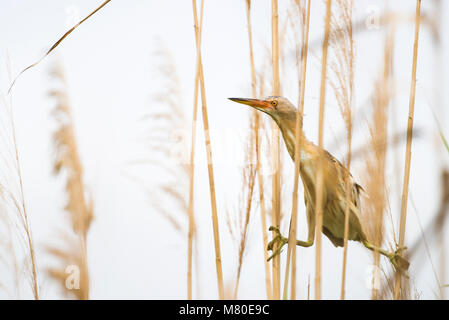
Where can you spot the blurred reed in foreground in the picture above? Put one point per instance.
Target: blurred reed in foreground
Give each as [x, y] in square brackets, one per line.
[74, 275]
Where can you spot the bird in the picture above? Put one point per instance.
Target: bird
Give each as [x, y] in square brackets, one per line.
[335, 179]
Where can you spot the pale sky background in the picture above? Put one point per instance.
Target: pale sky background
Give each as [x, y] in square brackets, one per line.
[109, 64]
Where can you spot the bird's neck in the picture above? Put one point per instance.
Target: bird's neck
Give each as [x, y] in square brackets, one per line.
[288, 129]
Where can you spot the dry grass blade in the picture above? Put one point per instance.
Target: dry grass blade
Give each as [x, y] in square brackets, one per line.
[408, 150]
[15, 200]
[209, 158]
[426, 245]
[57, 43]
[67, 161]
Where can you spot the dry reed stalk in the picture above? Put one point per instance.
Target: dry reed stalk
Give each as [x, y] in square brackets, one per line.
[263, 126]
[276, 196]
[291, 250]
[256, 115]
[341, 41]
[319, 175]
[192, 171]
[191, 231]
[268, 279]
[209, 157]
[80, 209]
[308, 288]
[408, 150]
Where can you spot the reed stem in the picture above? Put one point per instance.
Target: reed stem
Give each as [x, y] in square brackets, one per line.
[276, 210]
[210, 167]
[319, 175]
[191, 232]
[291, 251]
[408, 149]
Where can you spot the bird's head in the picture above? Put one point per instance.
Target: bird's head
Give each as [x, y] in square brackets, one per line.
[279, 108]
[283, 113]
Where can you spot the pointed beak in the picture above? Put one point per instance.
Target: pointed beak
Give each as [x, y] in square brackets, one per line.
[261, 105]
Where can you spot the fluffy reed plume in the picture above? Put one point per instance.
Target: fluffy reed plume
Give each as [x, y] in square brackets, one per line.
[375, 183]
[164, 144]
[13, 199]
[166, 150]
[342, 82]
[74, 275]
[210, 167]
[258, 125]
[408, 151]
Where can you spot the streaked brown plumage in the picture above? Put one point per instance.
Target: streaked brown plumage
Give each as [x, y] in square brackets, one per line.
[334, 184]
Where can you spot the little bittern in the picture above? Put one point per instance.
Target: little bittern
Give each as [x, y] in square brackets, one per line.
[335, 178]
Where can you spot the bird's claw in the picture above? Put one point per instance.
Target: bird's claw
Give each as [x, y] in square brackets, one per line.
[277, 239]
[275, 229]
[400, 264]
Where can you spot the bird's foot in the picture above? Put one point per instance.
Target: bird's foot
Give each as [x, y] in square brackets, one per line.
[399, 263]
[279, 239]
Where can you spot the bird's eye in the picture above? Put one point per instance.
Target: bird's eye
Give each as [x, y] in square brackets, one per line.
[274, 103]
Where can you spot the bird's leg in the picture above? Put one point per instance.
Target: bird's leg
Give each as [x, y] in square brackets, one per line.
[282, 241]
[399, 263]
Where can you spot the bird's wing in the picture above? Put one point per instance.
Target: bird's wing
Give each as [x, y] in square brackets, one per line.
[357, 188]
